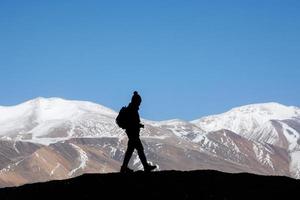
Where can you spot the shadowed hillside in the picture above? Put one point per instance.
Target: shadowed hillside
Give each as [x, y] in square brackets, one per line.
[206, 184]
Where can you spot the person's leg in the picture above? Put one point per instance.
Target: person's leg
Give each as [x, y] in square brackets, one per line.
[140, 150]
[128, 154]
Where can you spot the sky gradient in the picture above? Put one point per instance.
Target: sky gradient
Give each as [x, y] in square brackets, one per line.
[186, 58]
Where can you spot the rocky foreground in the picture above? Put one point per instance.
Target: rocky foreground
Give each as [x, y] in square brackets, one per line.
[204, 184]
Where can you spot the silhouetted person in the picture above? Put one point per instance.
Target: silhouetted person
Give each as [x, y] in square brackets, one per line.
[133, 132]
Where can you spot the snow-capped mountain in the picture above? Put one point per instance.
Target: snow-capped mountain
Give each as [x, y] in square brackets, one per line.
[51, 120]
[272, 123]
[246, 119]
[52, 138]
[268, 123]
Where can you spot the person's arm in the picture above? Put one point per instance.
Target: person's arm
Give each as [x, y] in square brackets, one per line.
[140, 124]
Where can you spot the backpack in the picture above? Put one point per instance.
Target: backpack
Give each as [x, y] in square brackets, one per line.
[122, 118]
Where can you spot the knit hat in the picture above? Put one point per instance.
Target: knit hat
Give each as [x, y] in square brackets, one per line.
[136, 98]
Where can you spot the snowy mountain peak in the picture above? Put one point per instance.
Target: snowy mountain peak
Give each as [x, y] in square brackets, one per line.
[37, 119]
[246, 119]
[55, 102]
[172, 122]
[271, 110]
[53, 108]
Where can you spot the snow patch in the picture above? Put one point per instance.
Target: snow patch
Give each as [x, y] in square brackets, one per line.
[83, 158]
[15, 147]
[291, 135]
[262, 156]
[54, 169]
[295, 164]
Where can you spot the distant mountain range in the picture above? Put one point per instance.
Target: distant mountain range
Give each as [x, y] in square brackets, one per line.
[51, 138]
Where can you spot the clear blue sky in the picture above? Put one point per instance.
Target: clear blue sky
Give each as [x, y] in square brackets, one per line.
[187, 58]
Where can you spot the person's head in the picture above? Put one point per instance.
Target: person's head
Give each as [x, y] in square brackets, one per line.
[136, 99]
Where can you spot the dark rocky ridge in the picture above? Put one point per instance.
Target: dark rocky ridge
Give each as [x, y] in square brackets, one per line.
[204, 184]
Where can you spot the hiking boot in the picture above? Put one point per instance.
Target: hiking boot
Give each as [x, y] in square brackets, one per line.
[126, 170]
[149, 168]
